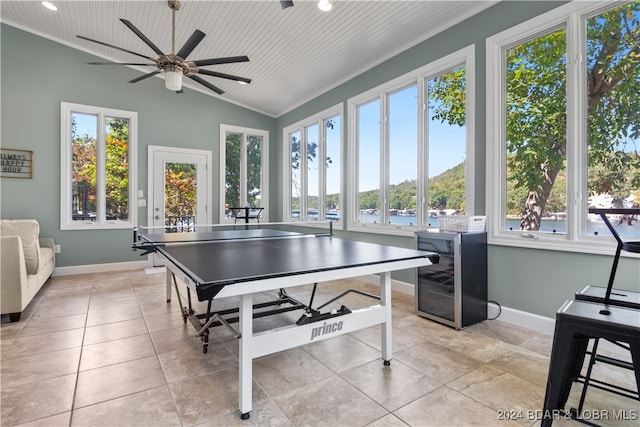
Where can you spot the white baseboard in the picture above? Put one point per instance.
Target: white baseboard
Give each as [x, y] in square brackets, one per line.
[396, 285]
[155, 270]
[100, 268]
[523, 318]
[506, 314]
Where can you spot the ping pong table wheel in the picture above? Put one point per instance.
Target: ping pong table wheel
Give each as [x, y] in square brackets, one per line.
[245, 416]
[387, 363]
[205, 348]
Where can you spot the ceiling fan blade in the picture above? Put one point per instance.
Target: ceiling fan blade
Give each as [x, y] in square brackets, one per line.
[286, 4]
[218, 61]
[142, 36]
[120, 63]
[191, 44]
[206, 84]
[137, 79]
[116, 47]
[224, 76]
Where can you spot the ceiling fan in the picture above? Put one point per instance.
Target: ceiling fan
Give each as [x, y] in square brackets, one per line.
[175, 65]
[323, 5]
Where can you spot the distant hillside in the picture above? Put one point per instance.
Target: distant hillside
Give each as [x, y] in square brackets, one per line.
[446, 191]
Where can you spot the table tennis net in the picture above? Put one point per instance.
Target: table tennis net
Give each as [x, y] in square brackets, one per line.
[211, 232]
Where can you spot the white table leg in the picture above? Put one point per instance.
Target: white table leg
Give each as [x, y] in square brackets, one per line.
[246, 360]
[385, 301]
[168, 283]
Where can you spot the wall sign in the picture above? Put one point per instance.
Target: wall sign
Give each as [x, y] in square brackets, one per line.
[16, 163]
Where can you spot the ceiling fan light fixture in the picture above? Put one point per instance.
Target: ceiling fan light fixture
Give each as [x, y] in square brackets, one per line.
[173, 78]
[325, 5]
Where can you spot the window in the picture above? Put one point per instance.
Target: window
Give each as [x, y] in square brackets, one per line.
[98, 167]
[243, 166]
[412, 156]
[563, 134]
[369, 157]
[313, 167]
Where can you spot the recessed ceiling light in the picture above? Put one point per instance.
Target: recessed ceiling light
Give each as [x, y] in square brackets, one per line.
[324, 5]
[49, 6]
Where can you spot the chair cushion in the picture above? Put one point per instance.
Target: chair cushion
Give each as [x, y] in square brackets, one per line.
[28, 230]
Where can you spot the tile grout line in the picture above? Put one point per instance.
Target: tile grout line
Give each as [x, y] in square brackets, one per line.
[84, 332]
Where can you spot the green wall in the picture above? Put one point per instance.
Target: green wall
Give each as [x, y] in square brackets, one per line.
[534, 281]
[538, 281]
[37, 74]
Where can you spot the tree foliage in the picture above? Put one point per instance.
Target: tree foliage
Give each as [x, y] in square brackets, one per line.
[252, 186]
[296, 162]
[536, 123]
[117, 168]
[447, 190]
[84, 176]
[180, 187]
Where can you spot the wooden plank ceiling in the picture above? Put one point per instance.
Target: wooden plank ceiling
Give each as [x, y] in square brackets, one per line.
[295, 53]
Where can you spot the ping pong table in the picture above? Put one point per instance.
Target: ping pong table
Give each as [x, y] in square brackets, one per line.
[221, 263]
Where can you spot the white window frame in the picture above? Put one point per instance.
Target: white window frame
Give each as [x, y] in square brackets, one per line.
[66, 151]
[571, 17]
[264, 169]
[464, 57]
[317, 119]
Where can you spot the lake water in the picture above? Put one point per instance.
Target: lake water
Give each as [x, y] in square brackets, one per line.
[548, 225]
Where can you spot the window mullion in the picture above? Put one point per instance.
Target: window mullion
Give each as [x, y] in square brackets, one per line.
[322, 170]
[384, 159]
[101, 213]
[422, 188]
[304, 191]
[243, 170]
[576, 129]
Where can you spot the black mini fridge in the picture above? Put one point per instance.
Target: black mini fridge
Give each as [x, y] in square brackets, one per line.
[453, 291]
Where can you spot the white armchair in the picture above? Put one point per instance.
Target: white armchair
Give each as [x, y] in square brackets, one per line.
[27, 261]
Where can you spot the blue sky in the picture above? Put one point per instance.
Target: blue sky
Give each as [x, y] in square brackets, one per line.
[86, 124]
[447, 144]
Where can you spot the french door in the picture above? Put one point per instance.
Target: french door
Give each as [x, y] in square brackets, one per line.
[179, 189]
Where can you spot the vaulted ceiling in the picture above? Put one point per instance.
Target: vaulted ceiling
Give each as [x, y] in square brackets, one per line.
[295, 53]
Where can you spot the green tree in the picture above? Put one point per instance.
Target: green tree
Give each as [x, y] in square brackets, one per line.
[84, 173]
[117, 168]
[296, 160]
[180, 190]
[536, 111]
[447, 190]
[233, 186]
[84, 177]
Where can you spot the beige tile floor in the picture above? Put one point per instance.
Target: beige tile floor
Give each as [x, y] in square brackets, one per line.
[108, 350]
